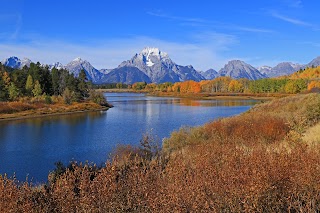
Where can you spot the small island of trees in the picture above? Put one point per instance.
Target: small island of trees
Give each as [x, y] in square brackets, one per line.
[38, 88]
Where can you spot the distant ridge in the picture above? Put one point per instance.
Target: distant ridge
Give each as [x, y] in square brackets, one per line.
[238, 69]
[153, 65]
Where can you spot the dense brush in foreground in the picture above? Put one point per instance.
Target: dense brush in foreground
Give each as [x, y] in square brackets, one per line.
[255, 162]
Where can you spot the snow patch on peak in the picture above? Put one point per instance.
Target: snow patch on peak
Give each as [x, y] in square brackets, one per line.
[153, 51]
[56, 65]
[264, 67]
[149, 50]
[149, 62]
[77, 59]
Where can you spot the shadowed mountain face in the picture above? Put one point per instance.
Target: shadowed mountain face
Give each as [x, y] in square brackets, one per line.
[210, 74]
[127, 75]
[16, 63]
[238, 69]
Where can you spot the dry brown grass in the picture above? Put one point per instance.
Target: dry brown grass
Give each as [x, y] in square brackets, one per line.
[312, 135]
[26, 109]
[12, 107]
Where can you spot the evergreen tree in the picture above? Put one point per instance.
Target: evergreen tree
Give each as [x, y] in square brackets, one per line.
[41, 74]
[13, 91]
[55, 77]
[6, 79]
[19, 78]
[37, 91]
[63, 80]
[82, 84]
[3, 89]
[29, 84]
[46, 81]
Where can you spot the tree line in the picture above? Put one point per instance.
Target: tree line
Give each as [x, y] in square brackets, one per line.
[38, 80]
[300, 81]
[229, 85]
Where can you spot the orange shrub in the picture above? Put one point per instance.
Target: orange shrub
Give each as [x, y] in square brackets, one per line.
[249, 129]
[12, 107]
[313, 84]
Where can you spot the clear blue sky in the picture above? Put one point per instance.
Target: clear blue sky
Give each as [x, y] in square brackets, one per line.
[204, 33]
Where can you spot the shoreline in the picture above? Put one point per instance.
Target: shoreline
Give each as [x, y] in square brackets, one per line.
[221, 96]
[50, 114]
[204, 96]
[38, 113]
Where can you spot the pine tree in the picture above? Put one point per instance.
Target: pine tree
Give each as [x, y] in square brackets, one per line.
[3, 90]
[82, 84]
[37, 91]
[29, 84]
[13, 91]
[55, 77]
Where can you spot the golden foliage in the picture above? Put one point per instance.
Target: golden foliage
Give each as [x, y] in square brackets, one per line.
[313, 85]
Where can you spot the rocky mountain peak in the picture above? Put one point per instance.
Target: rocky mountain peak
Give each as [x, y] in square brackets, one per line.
[314, 63]
[159, 67]
[239, 69]
[78, 59]
[16, 63]
[153, 51]
[210, 74]
[78, 64]
[151, 56]
[56, 65]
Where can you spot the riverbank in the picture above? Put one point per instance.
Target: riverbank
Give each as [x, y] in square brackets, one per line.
[204, 96]
[19, 110]
[221, 96]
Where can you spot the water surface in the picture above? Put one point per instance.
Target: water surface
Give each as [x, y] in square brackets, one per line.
[32, 146]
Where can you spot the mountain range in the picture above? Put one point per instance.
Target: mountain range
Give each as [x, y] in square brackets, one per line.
[153, 65]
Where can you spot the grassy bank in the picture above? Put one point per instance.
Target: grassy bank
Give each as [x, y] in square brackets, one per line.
[226, 95]
[24, 109]
[265, 160]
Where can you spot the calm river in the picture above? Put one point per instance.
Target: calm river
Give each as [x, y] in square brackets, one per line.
[31, 147]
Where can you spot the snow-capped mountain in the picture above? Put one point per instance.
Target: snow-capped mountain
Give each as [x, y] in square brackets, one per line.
[56, 65]
[16, 63]
[238, 69]
[78, 64]
[264, 69]
[210, 74]
[105, 71]
[160, 68]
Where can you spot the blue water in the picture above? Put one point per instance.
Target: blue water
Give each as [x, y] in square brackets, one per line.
[30, 147]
